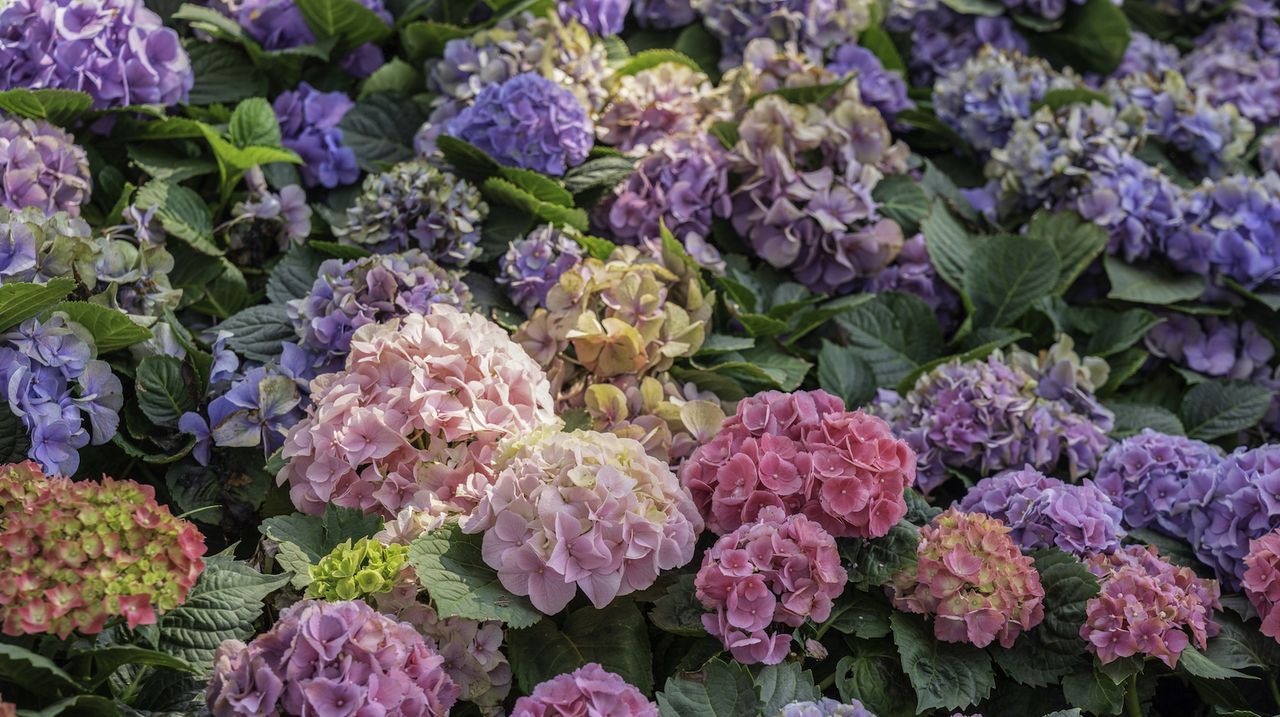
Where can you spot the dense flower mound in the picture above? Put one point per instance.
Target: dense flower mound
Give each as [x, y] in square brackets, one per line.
[309, 126]
[331, 659]
[1236, 61]
[778, 570]
[1147, 607]
[1232, 229]
[972, 580]
[582, 510]
[417, 205]
[414, 416]
[668, 418]
[588, 690]
[75, 554]
[279, 25]
[942, 39]
[350, 294]
[1147, 55]
[529, 122]
[654, 104]
[814, 25]
[879, 87]
[41, 166]
[803, 453]
[1211, 345]
[1138, 205]
[983, 98]
[357, 571]
[1262, 581]
[825, 708]
[1145, 475]
[1042, 512]
[117, 51]
[1227, 505]
[533, 265]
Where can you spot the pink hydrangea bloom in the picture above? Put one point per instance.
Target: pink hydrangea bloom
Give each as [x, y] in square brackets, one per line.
[331, 660]
[804, 453]
[73, 554]
[778, 569]
[414, 417]
[973, 580]
[7, 709]
[587, 691]
[1147, 606]
[582, 510]
[1262, 580]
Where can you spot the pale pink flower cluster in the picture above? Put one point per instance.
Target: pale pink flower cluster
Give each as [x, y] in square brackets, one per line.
[582, 510]
[588, 691]
[778, 570]
[803, 453]
[1262, 580]
[415, 416]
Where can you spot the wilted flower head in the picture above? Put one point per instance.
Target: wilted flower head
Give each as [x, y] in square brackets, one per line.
[1211, 345]
[1042, 512]
[1147, 607]
[533, 265]
[778, 569]
[972, 580]
[415, 415]
[279, 25]
[118, 51]
[74, 554]
[41, 166]
[669, 419]
[331, 659]
[588, 690]
[357, 571]
[35, 246]
[825, 708]
[803, 453]
[599, 17]
[1145, 475]
[814, 25]
[1237, 61]
[417, 205]
[258, 408]
[1232, 229]
[1262, 581]
[983, 98]
[309, 126]
[582, 510]
[1228, 504]
[654, 104]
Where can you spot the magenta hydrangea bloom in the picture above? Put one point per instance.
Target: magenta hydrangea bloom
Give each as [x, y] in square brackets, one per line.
[414, 417]
[41, 166]
[118, 51]
[777, 570]
[582, 510]
[1227, 505]
[1147, 607]
[331, 659]
[1262, 581]
[588, 690]
[1145, 474]
[803, 453]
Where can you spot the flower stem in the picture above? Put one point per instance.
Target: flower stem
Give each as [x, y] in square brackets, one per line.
[1275, 689]
[1133, 707]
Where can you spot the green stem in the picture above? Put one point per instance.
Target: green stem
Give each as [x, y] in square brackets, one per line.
[1275, 689]
[1133, 707]
[830, 680]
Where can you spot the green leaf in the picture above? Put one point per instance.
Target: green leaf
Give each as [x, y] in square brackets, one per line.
[448, 563]
[950, 245]
[1006, 275]
[182, 212]
[648, 59]
[348, 20]
[106, 660]
[873, 562]
[1219, 407]
[164, 394]
[60, 107]
[717, 344]
[843, 373]
[542, 187]
[14, 440]
[785, 370]
[596, 247]
[225, 295]
[397, 76]
[615, 637]
[1057, 99]
[1076, 242]
[603, 173]
[892, 333]
[1093, 692]
[1092, 38]
[988, 8]
[804, 95]
[304, 539]
[1053, 649]
[720, 689]
[903, 200]
[346, 252]
[1150, 286]
[254, 123]
[1131, 418]
[881, 45]
[426, 39]
[503, 191]
[111, 329]
[1194, 663]
[1001, 339]
[726, 132]
[223, 74]
[258, 331]
[1240, 646]
[873, 675]
[169, 164]
[294, 275]
[703, 47]
[468, 161]
[860, 614]
[945, 675]
[780, 685]
[20, 301]
[1121, 330]
[33, 671]
[678, 611]
[380, 129]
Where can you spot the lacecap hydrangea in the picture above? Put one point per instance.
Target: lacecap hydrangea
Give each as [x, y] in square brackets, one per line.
[582, 510]
[75, 554]
[532, 265]
[1262, 581]
[1044, 512]
[1145, 475]
[588, 690]
[1227, 505]
[41, 166]
[309, 126]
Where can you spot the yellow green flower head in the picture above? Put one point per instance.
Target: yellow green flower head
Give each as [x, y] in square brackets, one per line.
[354, 571]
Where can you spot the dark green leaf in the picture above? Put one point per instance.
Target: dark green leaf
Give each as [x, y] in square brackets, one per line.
[1131, 418]
[881, 45]
[20, 301]
[502, 191]
[397, 76]
[348, 20]
[467, 160]
[945, 675]
[1093, 692]
[1121, 330]
[703, 47]
[989, 8]
[678, 610]
[873, 676]
[1056, 99]
[448, 563]
[1006, 275]
[1053, 649]
[1194, 663]
[892, 333]
[258, 331]
[1092, 38]
[380, 129]
[425, 40]
[111, 329]
[223, 74]
[781, 685]
[294, 275]
[873, 562]
[254, 123]
[603, 173]
[1076, 242]
[60, 107]
[720, 690]
[861, 614]
[34, 671]
[949, 244]
[14, 441]
[843, 373]
[1150, 286]
[164, 394]
[345, 252]
[615, 637]
[541, 186]
[903, 200]
[182, 212]
[1218, 407]
[649, 59]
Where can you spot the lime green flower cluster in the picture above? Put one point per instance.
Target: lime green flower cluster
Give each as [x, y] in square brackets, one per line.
[354, 571]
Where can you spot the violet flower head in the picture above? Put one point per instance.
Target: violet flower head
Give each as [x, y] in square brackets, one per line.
[279, 25]
[1237, 61]
[599, 17]
[1147, 55]
[1145, 475]
[1262, 581]
[983, 98]
[825, 707]
[814, 26]
[533, 265]
[1231, 229]
[1227, 505]
[588, 690]
[528, 122]
[1269, 153]
[1044, 9]
[663, 14]
[886, 90]
[284, 213]
[1138, 205]
[41, 166]
[309, 126]
[653, 105]
[770, 574]
[942, 39]
[1212, 345]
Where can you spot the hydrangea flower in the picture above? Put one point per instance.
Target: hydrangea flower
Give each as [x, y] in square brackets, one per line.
[54, 385]
[776, 570]
[1138, 205]
[279, 25]
[118, 51]
[37, 247]
[417, 205]
[1262, 581]
[1147, 607]
[913, 272]
[1145, 475]
[983, 98]
[825, 707]
[814, 25]
[259, 408]
[1269, 153]
[880, 88]
[1211, 345]
[1232, 228]
[309, 126]
[588, 690]
[529, 122]
[1227, 505]
[663, 14]
[803, 453]
[941, 39]
[414, 416]
[41, 166]
[1146, 55]
[75, 554]
[599, 17]
[8, 709]
[534, 264]
[972, 580]
[668, 418]
[284, 214]
[582, 510]
[357, 571]
[1237, 61]
[329, 659]
[1042, 512]
[654, 104]
[349, 294]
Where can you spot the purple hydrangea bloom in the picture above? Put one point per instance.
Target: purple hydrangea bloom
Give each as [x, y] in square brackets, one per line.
[1136, 203]
[20, 238]
[1212, 345]
[663, 14]
[983, 98]
[814, 26]
[1227, 505]
[942, 39]
[653, 105]
[279, 25]
[600, 17]
[1047, 9]
[1043, 512]
[1269, 153]
[118, 51]
[53, 384]
[883, 89]
[1145, 474]
[286, 211]
[1237, 61]
[41, 166]
[913, 273]
[349, 294]
[1146, 55]
[309, 126]
[533, 265]
[1231, 228]
[825, 708]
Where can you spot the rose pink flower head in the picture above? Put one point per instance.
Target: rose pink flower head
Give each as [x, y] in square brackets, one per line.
[804, 453]
[779, 570]
[972, 579]
[582, 510]
[1262, 580]
[414, 417]
[588, 691]
[1147, 606]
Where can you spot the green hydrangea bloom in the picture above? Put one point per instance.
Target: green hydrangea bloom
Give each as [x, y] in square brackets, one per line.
[354, 571]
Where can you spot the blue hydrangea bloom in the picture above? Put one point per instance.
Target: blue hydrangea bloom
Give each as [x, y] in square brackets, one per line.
[825, 707]
[1145, 474]
[309, 126]
[1227, 505]
[880, 88]
[600, 17]
[942, 39]
[1042, 511]
[1231, 228]
[533, 265]
[983, 98]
